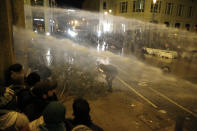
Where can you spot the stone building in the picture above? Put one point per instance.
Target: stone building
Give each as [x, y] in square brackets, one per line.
[174, 13]
[39, 21]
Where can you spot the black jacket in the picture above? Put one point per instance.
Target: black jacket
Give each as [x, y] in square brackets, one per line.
[36, 106]
[89, 123]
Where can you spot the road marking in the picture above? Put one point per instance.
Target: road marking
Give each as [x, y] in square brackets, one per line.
[120, 69]
[144, 98]
[170, 100]
[157, 92]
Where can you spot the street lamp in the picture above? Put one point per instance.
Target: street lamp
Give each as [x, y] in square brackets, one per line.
[154, 1]
[153, 17]
[105, 13]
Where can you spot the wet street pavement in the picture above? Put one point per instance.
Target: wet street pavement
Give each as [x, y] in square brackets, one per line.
[163, 92]
[143, 98]
[181, 68]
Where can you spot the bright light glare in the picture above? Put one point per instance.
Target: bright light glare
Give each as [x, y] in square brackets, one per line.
[105, 61]
[105, 13]
[72, 33]
[71, 10]
[76, 22]
[106, 27]
[48, 34]
[154, 1]
[124, 27]
[110, 11]
[98, 47]
[38, 19]
[103, 47]
[99, 33]
[36, 31]
[48, 57]
[52, 21]
[48, 52]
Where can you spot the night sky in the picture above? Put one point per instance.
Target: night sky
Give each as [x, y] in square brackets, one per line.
[70, 3]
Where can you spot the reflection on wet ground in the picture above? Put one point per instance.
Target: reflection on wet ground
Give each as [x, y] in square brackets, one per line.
[74, 66]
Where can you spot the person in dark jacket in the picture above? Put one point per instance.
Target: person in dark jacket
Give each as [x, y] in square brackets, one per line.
[15, 81]
[81, 112]
[42, 94]
[54, 116]
[110, 74]
[32, 79]
[25, 95]
[15, 77]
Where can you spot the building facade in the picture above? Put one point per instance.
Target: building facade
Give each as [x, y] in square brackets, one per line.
[174, 13]
[39, 21]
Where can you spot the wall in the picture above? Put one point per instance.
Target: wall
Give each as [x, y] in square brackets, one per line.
[7, 56]
[160, 17]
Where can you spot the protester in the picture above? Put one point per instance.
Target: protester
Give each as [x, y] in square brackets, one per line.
[15, 77]
[81, 110]
[54, 117]
[32, 79]
[110, 74]
[42, 94]
[25, 95]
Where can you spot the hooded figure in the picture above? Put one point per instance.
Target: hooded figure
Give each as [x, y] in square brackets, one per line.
[54, 117]
[81, 110]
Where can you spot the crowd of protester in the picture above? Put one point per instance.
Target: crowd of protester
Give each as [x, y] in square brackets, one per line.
[24, 100]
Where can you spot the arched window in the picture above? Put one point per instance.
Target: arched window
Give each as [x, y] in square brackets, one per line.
[167, 24]
[187, 27]
[195, 28]
[177, 25]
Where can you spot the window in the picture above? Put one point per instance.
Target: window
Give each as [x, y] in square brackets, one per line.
[177, 25]
[180, 10]
[123, 7]
[195, 28]
[138, 5]
[156, 7]
[167, 24]
[187, 27]
[169, 8]
[104, 5]
[38, 22]
[190, 11]
[37, 2]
